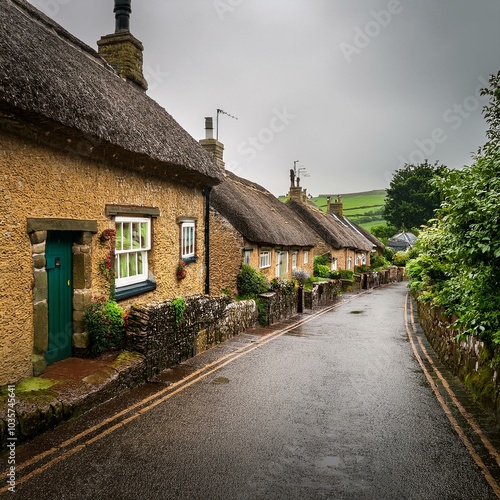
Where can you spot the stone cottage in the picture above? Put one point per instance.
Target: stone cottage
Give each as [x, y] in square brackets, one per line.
[100, 187]
[336, 237]
[249, 225]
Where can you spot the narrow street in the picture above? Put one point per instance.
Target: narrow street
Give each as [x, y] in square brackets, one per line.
[340, 406]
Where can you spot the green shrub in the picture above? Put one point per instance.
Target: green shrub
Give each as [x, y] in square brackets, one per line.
[104, 320]
[378, 261]
[362, 269]
[346, 274]
[280, 285]
[250, 282]
[178, 306]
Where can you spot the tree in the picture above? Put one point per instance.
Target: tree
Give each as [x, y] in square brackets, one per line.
[459, 264]
[413, 196]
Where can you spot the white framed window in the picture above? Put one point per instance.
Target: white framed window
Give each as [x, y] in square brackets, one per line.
[306, 256]
[295, 256]
[349, 263]
[247, 252]
[265, 259]
[335, 263]
[188, 240]
[357, 260]
[133, 242]
[363, 259]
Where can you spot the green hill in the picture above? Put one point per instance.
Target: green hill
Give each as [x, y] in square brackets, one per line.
[363, 208]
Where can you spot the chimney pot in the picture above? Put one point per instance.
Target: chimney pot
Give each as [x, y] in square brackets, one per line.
[122, 10]
[209, 127]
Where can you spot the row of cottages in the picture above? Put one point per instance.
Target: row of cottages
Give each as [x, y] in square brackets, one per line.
[93, 171]
[345, 244]
[248, 225]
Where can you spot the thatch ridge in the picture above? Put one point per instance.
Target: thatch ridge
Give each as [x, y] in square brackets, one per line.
[258, 215]
[47, 72]
[331, 229]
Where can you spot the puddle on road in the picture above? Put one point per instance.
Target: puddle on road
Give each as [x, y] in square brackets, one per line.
[220, 380]
[356, 312]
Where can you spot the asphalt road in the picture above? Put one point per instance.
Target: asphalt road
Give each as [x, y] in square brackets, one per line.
[335, 408]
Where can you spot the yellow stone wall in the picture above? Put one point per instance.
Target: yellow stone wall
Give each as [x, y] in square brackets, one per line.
[38, 182]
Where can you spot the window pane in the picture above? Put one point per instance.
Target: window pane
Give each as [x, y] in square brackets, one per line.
[136, 235]
[139, 262]
[127, 242]
[144, 235]
[123, 265]
[119, 235]
[132, 264]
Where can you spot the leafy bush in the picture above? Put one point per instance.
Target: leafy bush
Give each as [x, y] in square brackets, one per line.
[178, 306]
[400, 258]
[281, 285]
[321, 267]
[250, 282]
[362, 269]
[378, 262]
[346, 274]
[104, 320]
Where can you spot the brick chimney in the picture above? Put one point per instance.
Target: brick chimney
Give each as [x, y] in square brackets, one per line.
[296, 193]
[336, 208]
[211, 145]
[121, 49]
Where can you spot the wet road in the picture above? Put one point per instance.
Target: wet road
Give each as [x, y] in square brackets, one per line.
[336, 408]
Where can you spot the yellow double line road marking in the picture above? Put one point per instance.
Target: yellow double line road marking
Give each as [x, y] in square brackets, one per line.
[120, 419]
[468, 417]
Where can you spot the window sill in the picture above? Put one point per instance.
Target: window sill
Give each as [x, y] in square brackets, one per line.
[189, 260]
[124, 292]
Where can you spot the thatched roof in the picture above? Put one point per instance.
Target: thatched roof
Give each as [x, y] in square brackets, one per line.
[337, 232]
[53, 84]
[258, 215]
[369, 236]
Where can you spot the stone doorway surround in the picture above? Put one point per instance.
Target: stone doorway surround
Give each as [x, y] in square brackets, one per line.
[82, 280]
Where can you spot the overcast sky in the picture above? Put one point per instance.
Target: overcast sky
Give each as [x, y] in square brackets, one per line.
[352, 89]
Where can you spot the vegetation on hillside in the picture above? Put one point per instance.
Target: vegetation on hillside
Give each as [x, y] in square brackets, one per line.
[458, 266]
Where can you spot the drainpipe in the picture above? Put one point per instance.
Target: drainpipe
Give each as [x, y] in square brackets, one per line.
[206, 192]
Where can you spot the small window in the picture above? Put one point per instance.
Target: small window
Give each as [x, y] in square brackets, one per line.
[246, 256]
[335, 262]
[306, 256]
[188, 240]
[363, 259]
[349, 263]
[265, 259]
[295, 255]
[133, 242]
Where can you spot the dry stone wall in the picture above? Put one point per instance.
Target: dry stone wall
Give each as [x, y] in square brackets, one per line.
[154, 332]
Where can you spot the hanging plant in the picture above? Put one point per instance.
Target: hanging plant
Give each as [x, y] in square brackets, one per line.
[181, 270]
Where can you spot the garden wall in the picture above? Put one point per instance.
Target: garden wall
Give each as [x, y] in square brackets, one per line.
[468, 359]
[207, 321]
[276, 306]
[322, 294]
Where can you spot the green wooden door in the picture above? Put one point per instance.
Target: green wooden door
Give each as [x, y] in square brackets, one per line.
[60, 295]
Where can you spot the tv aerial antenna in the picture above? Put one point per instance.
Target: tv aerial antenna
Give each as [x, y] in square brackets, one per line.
[221, 112]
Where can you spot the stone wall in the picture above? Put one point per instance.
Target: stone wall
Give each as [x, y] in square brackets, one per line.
[469, 358]
[322, 294]
[276, 306]
[207, 321]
